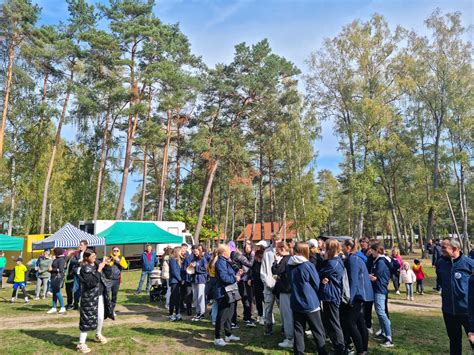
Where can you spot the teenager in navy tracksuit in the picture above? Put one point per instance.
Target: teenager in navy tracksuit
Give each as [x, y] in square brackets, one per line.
[361, 292]
[198, 281]
[453, 271]
[225, 276]
[330, 293]
[471, 308]
[186, 283]
[369, 262]
[174, 283]
[380, 277]
[304, 280]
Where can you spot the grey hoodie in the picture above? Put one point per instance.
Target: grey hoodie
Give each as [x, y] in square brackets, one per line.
[266, 270]
[297, 259]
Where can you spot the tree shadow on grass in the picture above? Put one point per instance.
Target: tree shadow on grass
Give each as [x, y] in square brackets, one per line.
[189, 338]
[52, 337]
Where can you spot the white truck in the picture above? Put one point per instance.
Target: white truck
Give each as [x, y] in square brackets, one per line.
[133, 252]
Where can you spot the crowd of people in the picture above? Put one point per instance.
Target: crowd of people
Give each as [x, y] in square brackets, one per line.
[323, 288]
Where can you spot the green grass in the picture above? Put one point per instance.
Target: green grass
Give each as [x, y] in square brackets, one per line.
[142, 327]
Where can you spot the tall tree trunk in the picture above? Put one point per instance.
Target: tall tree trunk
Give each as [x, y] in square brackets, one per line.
[420, 234]
[270, 185]
[164, 168]
[52, 159]
[453, 218]
[464, 209]
[102, 164]
[178, 166]
[254, 221]
[232, 236]
[144, 181]
[11, 56]
[430, 224]
[205, 196]
[227, 206]
[412, 237]
[11, 219]
[262, 221]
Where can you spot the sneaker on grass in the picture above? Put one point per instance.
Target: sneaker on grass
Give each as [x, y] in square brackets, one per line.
[219, 342]
[230, 338]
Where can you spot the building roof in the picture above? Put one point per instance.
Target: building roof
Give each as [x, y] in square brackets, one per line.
[290, 234]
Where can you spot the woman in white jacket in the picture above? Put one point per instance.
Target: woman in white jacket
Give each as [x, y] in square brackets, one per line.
[408, 277]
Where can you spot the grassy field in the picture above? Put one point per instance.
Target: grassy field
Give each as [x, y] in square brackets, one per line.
[142, 327]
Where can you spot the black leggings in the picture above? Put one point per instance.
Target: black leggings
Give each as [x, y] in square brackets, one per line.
[258, 292]
[354, 325]
[332, 323]
[175, 299]
[315, 324]
[396, 281]
[224, 316]
[186, 297]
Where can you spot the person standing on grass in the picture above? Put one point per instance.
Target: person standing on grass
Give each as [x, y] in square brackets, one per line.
[380, 277]
[367, 306]
[408, 277]
[57, 279]
[165, 273]
[43, 274]
[69, 280]
[19, 280]
[117, 265]
[361, 291]
[174, 282]
[198, 281]
[148, 264]
[268, 283]
[76, 264]
[3, 263]
[330, 293]
[396, 270]
[304, 281]
[186, 285]
[225, 276]
[453, 271]
[420, 276]
[282, 292]
[257, 284]
[95, 305]
[243, 262]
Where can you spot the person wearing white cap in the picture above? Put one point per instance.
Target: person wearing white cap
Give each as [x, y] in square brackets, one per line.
[268, 282]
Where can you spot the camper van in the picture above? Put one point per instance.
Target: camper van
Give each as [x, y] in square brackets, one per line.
[133, 252]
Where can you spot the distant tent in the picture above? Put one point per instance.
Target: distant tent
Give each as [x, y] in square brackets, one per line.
[138, 233]
[8, 243]
[68, 237]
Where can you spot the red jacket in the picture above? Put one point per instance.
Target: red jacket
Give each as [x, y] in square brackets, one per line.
[418, 270]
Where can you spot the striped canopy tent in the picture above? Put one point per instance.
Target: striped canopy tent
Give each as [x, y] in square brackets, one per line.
[68, 237]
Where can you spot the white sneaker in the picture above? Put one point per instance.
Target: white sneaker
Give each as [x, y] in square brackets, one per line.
[51, 311]
[62, 310]
[378, 332]
[398, 292]
[370, 330]
[36, 299]
[287, 344]
[12, 300]
[219, 342]
[261, 320]
[308, 333]
[231, 338]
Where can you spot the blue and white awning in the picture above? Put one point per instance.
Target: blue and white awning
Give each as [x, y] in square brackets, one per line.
[68, 237]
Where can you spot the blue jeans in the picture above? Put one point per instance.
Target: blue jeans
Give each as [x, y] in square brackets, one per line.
[57, 296]
[142, 280]
[77, 290]
[214, 312]
[1, 276]
[409, 288]
[379, 304]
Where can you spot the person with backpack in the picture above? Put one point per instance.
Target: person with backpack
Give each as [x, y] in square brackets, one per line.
[397, 265]
[361, 291]
[330, 293]
[380, 277]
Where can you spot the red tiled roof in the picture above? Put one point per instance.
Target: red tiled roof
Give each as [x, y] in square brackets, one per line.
[290, 234]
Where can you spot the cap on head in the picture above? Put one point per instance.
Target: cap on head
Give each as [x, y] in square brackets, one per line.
[262, 243]
[19, 259]
[313, 243]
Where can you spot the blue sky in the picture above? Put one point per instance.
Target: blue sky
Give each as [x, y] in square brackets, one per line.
[295, 28]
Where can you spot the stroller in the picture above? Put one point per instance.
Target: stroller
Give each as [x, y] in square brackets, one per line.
[158, 289]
